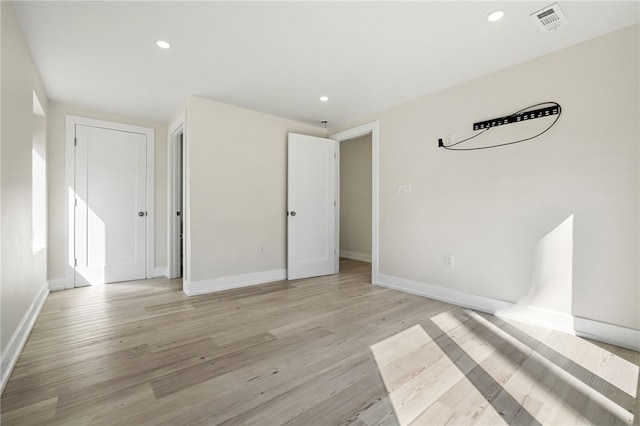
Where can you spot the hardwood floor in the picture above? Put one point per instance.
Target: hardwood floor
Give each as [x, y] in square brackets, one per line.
[321, 351]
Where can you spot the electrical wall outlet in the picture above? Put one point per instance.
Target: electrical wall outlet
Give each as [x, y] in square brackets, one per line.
[448, 261]
[261, 250]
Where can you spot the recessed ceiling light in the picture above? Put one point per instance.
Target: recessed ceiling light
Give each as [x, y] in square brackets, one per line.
[163, 44]
[324, 98]
[496, 15]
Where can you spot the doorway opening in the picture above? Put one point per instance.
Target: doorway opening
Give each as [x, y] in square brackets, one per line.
[179, 217]
[177, 200]
[364, 134]
[355, 199]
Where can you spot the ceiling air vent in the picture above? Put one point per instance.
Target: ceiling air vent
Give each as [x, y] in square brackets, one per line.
[549, 18]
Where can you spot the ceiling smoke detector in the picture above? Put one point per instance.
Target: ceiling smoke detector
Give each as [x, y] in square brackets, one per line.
[549, 18]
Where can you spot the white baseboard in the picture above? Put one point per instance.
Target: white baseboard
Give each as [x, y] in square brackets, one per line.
[362, 257]
[530, 314]
[539, 316]
[61, 283]
[566, 323]
[57, 284]
[19, 338]
[160, 271]
[194, 288]
[608, 333]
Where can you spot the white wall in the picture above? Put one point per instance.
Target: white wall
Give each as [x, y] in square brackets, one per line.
[496, 210]
[355, 198]
[1, 210]
[236, 165]
[56, 173]
[24, 273]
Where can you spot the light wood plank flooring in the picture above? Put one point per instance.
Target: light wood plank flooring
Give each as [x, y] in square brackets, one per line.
[322, 351]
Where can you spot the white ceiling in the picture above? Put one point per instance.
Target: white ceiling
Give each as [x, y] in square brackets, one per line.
[280, 57]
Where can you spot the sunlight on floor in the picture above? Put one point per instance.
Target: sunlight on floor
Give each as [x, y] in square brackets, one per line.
[467, 368]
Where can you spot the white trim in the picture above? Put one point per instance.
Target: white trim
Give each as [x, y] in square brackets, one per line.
[186, 202]
[160, 271]
[337, 210]
[538, 316]
[69, 184]
[19, 338]
[57, 284]
[608, 333]
[151, 206]
[71, 122]
[530, 314]
[566, 323]
[362, 257]
[236, 281]
[373, 129]
[175, 129]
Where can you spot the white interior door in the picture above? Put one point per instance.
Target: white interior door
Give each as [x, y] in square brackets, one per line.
[110, 212]
[311, 206]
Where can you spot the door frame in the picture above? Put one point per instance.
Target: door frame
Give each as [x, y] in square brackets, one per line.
[371, 128]
[71, 122]
[173, 242]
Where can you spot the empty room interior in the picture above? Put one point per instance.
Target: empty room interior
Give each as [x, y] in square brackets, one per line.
[320, 213]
